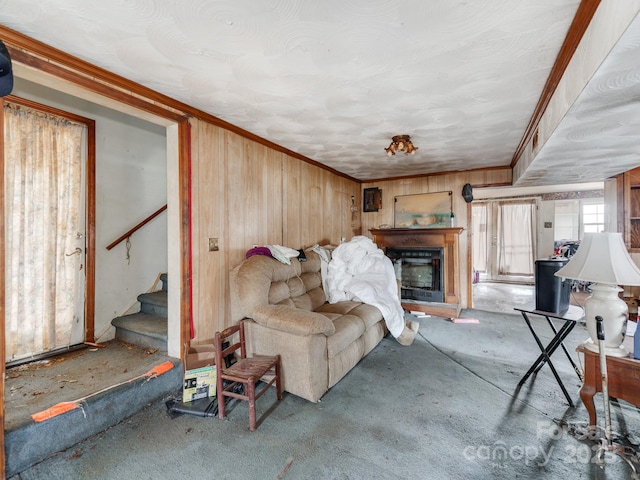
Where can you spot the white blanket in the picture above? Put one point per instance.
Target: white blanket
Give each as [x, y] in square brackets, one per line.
[360, 271]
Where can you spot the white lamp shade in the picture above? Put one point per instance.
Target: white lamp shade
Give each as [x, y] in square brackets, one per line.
[602, 258]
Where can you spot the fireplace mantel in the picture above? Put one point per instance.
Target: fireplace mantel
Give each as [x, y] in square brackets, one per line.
[445, 238]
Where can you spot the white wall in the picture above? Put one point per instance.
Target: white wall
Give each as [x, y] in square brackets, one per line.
[131, 183]
[546, 213]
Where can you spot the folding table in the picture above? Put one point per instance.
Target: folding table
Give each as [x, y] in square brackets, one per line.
[572, 315]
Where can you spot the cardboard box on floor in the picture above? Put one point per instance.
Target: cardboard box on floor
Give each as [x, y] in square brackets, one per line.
[200, 373]
[199, 383]
[200, 356]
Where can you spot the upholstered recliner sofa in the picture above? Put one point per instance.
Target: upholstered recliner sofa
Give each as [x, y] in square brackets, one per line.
[287, 313]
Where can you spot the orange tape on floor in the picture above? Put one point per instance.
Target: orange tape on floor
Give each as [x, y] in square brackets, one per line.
[159, 369]
[64, 407]
[54, 411]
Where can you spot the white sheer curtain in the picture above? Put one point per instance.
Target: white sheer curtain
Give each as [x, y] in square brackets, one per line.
[480, 237]
[516, 238]
[43, 169]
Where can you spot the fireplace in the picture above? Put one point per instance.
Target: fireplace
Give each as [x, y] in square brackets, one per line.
[420, 273]
[441, 250]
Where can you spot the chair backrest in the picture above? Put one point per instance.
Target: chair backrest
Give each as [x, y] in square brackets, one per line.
[231, 349]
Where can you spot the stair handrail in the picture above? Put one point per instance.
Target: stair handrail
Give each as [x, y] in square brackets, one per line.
[137, 227]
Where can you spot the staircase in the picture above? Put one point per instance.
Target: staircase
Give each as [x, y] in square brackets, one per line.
[147, 328]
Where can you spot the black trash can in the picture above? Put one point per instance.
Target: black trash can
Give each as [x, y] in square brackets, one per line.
[552, 293]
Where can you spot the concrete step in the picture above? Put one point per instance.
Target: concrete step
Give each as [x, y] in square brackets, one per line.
[29, 442]
[142, 329]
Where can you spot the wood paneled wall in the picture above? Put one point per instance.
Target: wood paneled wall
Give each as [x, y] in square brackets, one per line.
[317, 205]
[462, 211]
[245, 194]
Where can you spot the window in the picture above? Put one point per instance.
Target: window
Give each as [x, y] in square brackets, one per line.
[567, 220]
[575, 217]
[592, 217]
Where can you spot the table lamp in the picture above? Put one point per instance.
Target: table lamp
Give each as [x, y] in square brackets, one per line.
[602, 259]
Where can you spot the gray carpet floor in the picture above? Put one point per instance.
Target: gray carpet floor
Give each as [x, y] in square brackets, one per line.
[446, 407]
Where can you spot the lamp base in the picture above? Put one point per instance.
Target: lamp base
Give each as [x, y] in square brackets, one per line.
[620, 352]
[604, 302]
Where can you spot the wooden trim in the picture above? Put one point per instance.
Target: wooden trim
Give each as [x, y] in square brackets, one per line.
[184, 185]
[90, 272]
[443, 310]
[452, 172]
[581, 20]
[133, 230]
[31, 52]
[3, 350]
[91, 85]
[36, 54]
[469, 255]
[621, 185]
[48, 109]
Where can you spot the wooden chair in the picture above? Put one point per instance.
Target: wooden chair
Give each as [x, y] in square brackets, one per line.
[245, 371]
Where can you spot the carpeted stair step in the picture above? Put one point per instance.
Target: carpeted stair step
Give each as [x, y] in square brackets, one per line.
[148, 328]
[165, 282]
[154, 303]
[143, 329]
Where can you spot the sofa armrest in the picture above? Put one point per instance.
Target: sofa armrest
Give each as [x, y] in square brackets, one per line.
[293, 320]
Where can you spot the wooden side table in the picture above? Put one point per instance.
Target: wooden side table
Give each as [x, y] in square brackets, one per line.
[623, 375]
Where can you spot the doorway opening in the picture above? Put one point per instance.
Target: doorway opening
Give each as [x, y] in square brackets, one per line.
[48, 191]
[559, 219]
[504, 240]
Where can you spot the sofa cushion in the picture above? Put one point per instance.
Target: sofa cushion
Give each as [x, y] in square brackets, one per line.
[278, 291]
[344, 361]
[369, 314]
[293, 320]
[251, 283]
[303, 291]
[312, 264]
[348, 328]
[372, 337]
[313, 286]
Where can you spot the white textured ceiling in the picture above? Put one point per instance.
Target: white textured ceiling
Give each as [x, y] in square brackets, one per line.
[334, 80]
[598, 137]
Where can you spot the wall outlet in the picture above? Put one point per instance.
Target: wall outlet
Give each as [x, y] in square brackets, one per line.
[213, 244]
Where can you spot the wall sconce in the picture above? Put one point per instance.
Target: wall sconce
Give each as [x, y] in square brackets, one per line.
[401, 143]
[354, 211]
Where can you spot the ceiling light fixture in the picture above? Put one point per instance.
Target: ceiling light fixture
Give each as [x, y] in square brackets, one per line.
[401, 143]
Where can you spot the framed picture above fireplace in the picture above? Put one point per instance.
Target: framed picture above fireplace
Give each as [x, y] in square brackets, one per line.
[423, 210]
